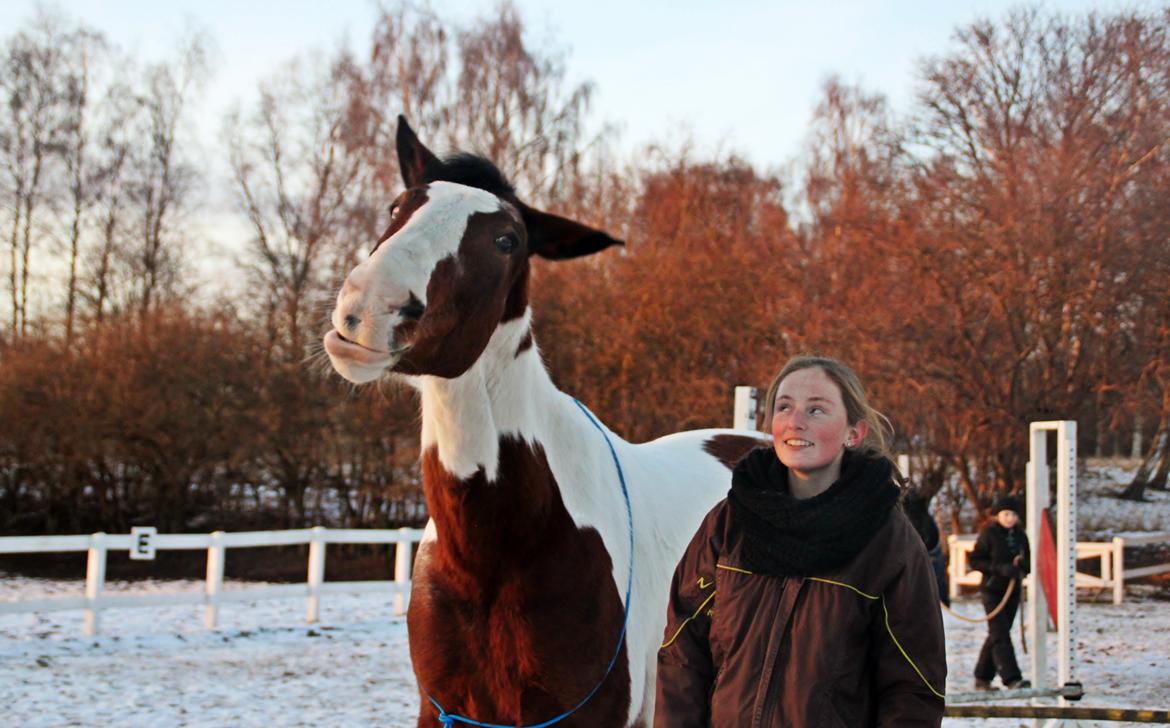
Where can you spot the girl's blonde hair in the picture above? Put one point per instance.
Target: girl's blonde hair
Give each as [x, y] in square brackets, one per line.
[857, 407]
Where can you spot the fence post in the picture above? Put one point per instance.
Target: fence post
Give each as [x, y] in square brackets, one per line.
[316, 572]
[215, 559]
[95, 580]
[1118, 569]
[402, 570]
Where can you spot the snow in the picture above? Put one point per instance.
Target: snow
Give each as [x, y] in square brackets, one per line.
[157, 666]
[265, 667]
[1101, 515]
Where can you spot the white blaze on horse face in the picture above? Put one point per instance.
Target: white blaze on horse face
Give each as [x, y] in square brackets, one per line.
[401, 267]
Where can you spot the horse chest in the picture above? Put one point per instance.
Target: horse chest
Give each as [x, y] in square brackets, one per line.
[533, 637]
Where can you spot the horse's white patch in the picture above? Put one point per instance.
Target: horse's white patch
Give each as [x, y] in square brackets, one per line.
[456, 421]
[431, 532]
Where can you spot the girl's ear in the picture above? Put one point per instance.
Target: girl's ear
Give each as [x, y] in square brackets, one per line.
[857, 433]
[558, 238]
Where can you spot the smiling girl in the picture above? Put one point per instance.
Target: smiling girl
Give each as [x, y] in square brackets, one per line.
[806, 598]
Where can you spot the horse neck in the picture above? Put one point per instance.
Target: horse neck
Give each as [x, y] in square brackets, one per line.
[506, 396]
[501, 394]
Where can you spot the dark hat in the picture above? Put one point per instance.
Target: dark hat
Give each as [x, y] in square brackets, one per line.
[1007, 503]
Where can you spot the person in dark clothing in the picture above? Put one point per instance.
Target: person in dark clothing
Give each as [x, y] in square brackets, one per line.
[917, 511]
[806, 598]
[1001, 553]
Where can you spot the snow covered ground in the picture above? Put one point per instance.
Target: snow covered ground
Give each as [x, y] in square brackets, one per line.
[158, 667]
[1101, 515]
[266, 667]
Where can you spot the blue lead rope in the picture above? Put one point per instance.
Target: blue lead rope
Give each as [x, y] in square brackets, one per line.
[448, 720]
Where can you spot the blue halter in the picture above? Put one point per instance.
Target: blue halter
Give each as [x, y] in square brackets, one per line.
[448, 720]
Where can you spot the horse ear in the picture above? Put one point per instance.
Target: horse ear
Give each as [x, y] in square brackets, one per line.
[558, 238]
[413, 157]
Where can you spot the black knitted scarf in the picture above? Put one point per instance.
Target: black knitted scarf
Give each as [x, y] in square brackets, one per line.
[786, 536]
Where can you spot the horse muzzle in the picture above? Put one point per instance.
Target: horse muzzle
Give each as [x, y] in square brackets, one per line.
[354, 361]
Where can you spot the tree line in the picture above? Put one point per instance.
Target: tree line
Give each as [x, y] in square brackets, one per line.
[998, 254]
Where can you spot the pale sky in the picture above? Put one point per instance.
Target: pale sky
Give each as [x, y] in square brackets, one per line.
[741, 76]
[738, 76]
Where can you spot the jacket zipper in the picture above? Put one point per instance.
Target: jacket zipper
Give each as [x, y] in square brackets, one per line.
[791, 590]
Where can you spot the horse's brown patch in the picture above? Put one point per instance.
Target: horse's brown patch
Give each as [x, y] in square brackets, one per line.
[525, 343]
[514, 613]
[730, 449]
[517, 302]
[467, 296]
[403, 207]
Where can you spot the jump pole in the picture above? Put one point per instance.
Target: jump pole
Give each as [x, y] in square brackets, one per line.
[1127, 715]
[1066, 538]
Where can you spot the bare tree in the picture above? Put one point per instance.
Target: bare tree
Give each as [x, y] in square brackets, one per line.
[511, 106]
[1150, 338]
[164, 176]
[32, 85]
[1154, 468]
[1044, 132]
[408, 73]
[299, 177]
[486, 88]
[111, 197]
[84, 52]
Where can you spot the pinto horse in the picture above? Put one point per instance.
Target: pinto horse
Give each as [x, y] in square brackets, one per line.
[517, 602]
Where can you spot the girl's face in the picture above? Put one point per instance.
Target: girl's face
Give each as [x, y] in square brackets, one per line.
[1007, 518]
[810, 427]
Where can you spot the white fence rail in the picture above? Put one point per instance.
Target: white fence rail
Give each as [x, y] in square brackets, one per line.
[1110, 555]
[99, 544]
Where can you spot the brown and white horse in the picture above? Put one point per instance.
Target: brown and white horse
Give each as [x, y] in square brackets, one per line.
[517, 603]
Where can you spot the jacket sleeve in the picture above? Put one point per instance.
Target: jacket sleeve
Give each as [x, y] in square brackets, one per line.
[930, 536]
[685, 670]
[1025, 566]
[909, 652]
[980, 558]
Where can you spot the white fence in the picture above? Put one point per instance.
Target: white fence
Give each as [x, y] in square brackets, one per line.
[99, 544]
[1110, 555]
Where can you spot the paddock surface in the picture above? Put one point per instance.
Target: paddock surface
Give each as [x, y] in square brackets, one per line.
[265, 667]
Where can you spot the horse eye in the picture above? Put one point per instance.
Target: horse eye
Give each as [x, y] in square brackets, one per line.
[393, 210]
[507, 243]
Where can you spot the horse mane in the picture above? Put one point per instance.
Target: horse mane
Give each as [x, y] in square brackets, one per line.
[470, 170]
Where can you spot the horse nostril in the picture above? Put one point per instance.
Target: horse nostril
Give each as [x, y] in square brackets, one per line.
[352, 322]
[413, 309]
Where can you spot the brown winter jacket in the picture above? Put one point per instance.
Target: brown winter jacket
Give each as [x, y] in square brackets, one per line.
[859, 646]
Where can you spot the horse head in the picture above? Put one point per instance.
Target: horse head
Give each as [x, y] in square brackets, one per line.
[451, 267]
